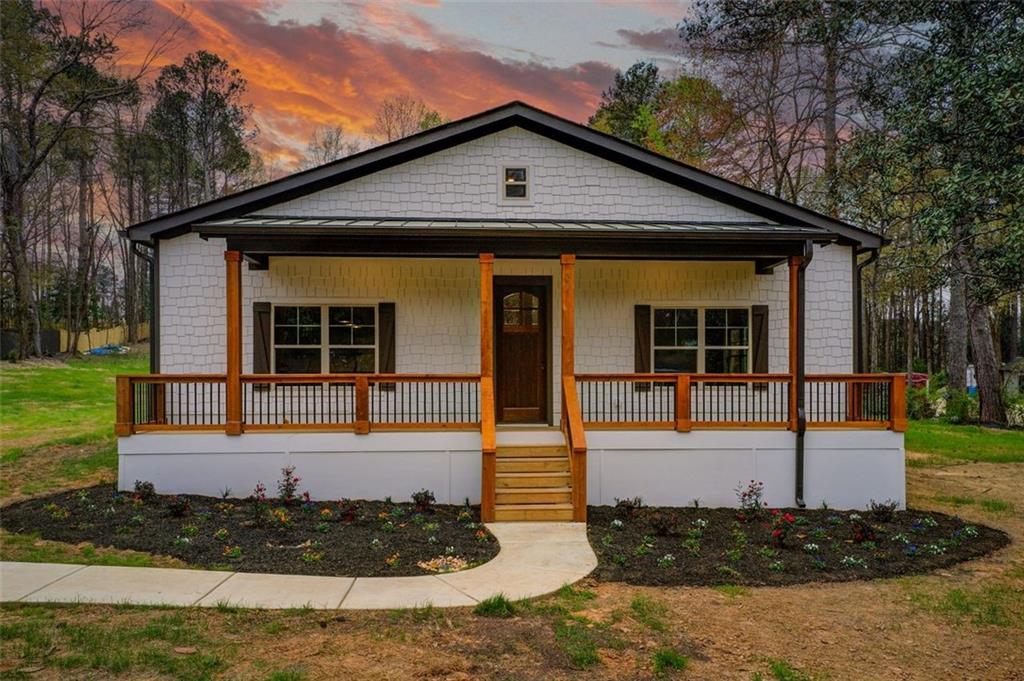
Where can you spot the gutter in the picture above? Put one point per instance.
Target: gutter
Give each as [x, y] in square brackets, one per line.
[801, 410]
[153, 260]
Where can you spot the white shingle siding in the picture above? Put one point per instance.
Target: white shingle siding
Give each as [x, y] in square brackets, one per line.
[437, 304]
[464, 181]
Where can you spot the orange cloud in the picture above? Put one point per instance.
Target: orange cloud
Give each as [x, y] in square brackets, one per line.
[303, 75]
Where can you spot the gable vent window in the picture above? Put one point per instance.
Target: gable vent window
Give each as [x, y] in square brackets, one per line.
[516, 184]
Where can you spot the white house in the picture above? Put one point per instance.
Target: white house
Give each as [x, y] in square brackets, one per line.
[518, 310]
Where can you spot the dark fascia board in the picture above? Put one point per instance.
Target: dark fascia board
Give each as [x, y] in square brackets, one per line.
[506, 116]
[261, 246]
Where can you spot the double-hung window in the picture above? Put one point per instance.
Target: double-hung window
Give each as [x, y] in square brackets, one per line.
[314, 339]
[702, 340]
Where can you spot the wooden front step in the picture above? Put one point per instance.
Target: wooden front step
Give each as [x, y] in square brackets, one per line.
[533, 512]
[533, 464]
[533, 480]
[524, 451]
[534, 495]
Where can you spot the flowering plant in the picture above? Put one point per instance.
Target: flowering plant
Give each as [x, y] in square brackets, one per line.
[781, 524]
[288, 485]
[751, 499]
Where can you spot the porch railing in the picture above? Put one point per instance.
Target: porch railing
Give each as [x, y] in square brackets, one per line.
[356, 402]
[687, 402]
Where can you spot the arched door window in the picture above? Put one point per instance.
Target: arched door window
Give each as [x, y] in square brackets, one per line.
[520, 313]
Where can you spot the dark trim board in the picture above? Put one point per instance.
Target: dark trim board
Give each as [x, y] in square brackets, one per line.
[514, 114]
[505, 246]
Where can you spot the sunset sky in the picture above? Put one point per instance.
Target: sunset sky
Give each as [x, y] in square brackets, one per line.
[310, 64]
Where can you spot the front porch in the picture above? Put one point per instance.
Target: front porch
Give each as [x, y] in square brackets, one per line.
[390, 431]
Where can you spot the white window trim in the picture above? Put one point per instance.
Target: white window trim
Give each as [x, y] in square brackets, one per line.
[324, 345]
[701, 347]
[512, 200]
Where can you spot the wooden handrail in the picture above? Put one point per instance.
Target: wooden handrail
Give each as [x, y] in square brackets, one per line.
[352, 378]
[488, 451]
[576, 437]
[174, 378]
[694, 378]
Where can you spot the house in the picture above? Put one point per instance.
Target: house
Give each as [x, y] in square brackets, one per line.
[515, 310]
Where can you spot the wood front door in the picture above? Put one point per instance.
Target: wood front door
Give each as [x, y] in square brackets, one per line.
[521, 350]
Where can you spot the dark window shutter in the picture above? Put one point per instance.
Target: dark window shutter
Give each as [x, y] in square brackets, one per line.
[759, 342]
[642, 344]
[759, 338]
[261, 338]
[386, 341]
[261, 341]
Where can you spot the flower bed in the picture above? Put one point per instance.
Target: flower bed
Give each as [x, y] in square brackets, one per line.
[290, 534]
[701, 546]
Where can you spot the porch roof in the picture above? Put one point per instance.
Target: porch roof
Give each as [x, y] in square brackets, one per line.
[281, 225]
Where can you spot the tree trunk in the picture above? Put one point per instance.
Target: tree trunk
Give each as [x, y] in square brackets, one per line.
[986, 367]
[26, 317]
[831, 138]
[956, 353]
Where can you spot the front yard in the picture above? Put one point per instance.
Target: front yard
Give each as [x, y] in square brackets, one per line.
[963, 621]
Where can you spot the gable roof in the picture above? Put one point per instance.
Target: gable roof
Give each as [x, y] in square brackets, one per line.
[514, 114]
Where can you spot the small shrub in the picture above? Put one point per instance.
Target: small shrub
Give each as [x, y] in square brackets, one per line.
[189, 531]
[616, 524]
[853, 562]
[288, 486]
[667, 561]
[919, 404]
[628, 508]
[309, 556]
[56, 512]
[258, 504]
[348, 510]
[776, 566]
[179, 506]
[221, 534]
[751, 500]
[393, 560]
[232, 552]
[664, 524]
[862, 532]
[884, 511]
[144, 490]
[692, 545]
[322, 528]
[495, 606]
[734, 555]
[279, 518]
[781, 525]
[424, 500]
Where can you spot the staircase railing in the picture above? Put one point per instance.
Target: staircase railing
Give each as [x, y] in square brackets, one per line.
[576, 440]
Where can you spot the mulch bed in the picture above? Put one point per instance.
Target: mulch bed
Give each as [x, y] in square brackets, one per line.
[354, 539]
[709, 546]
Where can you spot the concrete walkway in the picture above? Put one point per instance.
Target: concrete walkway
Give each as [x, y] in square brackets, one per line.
[535, 559]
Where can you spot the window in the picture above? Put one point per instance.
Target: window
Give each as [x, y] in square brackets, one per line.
[308, 338]
[520, 313]
[696, 340]
[514, 185]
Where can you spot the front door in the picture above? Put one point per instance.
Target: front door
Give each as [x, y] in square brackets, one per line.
[521, 348]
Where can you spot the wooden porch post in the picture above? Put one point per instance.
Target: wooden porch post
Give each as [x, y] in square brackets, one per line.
[489, 462]
[233, 387]
[487, 314]
[568, 314]
[794, 336]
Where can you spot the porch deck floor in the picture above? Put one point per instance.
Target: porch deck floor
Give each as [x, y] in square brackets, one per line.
[535, 559]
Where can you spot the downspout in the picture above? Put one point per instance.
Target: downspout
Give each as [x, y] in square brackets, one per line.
[153, 260]
[801, 413]
[858, 306]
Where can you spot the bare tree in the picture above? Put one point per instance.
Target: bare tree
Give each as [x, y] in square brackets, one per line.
[401, 116]
[327, 144]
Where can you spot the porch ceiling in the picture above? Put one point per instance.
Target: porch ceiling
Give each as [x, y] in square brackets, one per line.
[261, 236]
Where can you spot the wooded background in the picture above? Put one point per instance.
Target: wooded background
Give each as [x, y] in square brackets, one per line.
[903, 118]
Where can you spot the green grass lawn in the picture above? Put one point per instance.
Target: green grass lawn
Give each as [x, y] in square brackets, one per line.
[945, 441]
[57, 421]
